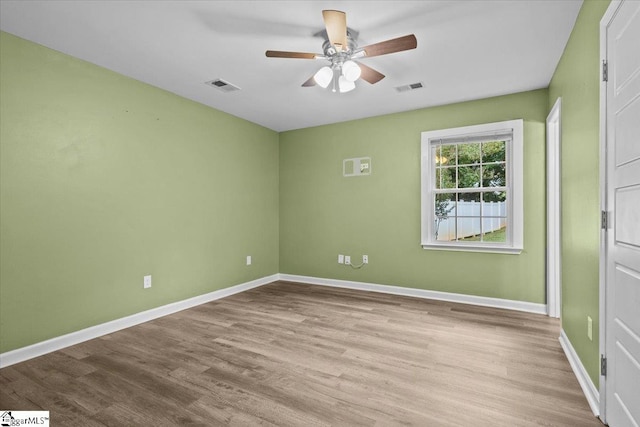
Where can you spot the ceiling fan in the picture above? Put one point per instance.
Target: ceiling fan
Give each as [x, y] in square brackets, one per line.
[340, 50]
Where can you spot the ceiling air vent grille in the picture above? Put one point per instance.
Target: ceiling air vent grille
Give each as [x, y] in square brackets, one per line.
[412, 86]
[222, 85]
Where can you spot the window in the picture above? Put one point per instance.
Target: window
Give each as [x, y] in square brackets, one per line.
[472, 188]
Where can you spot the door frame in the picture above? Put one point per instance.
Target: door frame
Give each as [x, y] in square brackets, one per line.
[554, 212]
[602, 345]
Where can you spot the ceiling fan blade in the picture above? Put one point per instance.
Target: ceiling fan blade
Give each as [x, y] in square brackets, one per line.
[336, 23]
[295, 55]
[310, 82]
[391, 46]
[369, 74]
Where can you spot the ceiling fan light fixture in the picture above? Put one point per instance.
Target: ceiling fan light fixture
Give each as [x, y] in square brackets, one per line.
[340, 48]
[345, 85]
[351, 71]
[324, 76]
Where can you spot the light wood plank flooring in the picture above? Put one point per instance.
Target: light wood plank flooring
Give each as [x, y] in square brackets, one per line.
[288, 354]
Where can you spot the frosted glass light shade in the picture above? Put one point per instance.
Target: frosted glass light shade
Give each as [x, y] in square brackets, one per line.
[324, 76]
[351, 71]
[345, 85]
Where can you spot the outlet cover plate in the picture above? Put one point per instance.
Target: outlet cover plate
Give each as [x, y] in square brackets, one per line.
[358, 166]
[147, 282]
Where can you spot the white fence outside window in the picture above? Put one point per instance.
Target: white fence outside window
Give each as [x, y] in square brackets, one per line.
[494, 217]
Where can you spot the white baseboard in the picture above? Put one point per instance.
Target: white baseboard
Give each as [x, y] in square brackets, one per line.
[422, 293]
[588, 388]
[25, 353]
[58, 343]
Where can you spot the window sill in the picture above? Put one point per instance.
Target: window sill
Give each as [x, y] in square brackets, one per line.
[472, 248]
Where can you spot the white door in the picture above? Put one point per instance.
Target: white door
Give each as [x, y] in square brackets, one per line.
[623, 206]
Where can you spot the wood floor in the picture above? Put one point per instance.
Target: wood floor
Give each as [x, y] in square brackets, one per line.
[288, 354]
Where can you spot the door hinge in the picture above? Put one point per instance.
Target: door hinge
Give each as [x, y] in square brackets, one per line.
[603, 365]
[603, 220]
[605, 70]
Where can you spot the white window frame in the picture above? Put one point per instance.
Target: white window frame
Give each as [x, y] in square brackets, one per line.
[515, 196]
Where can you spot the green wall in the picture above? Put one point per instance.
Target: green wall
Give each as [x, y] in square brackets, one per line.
[105, 179]
[323, 214]
[577, 81]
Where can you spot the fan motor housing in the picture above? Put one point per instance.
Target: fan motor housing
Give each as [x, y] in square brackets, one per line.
[339, 57]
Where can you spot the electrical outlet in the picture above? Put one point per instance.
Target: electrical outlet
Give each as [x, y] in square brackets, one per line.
[340, 259]
[365, 259]
[347, 260]
[248, 259]
[147, 282]
[590, 328]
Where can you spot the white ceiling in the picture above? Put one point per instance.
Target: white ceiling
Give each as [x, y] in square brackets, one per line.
[466, 50]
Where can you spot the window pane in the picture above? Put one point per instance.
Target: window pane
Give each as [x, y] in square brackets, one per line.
[494, 175]
[469, 197]
[494, 203]
[468, 229]
[445, 225]
[468, 204]
[445, 230]
[495, 230]
[448, 155]
[435, 154]
[494, 151]
[494, 212]
[468, 154]
[468, 221]
[469, 177]
[445, 204]
[445, 178]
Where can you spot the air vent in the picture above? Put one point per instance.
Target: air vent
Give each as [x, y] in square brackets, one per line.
[222, 85]
[412, 86]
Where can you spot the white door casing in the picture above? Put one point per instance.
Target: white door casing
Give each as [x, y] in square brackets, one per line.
[621, 201]
[553, 211]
